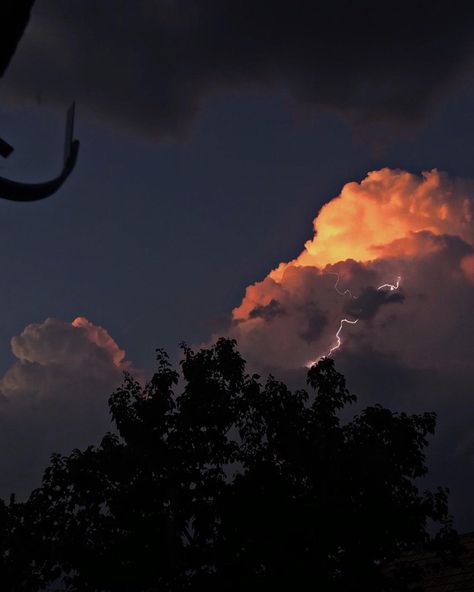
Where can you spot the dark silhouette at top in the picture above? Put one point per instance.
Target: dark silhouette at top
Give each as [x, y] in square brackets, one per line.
[230, 484]
[14, 16]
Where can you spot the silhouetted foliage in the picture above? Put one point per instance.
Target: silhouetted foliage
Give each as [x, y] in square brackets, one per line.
[230, 485]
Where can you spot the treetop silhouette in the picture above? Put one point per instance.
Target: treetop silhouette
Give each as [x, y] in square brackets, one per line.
[216, 480]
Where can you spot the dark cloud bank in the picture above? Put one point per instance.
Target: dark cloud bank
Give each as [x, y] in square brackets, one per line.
[149, 64]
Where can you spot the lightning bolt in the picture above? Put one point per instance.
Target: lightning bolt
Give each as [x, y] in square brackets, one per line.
[338, 335]
[391, 287]
[337, 284]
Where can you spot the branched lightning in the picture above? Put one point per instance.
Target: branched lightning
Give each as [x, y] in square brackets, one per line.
[338, 339]
[347, 291]
[391, 287]
[338, 335]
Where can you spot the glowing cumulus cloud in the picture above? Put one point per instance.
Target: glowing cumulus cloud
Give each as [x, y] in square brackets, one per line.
[386, 207]
[392, 224]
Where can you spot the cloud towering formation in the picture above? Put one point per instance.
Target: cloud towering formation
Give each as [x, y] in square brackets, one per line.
[149, 64]
[391, 224]
[54, 397]
[411, 348]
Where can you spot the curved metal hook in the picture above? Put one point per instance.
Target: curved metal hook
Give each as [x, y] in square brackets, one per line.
[16, 191]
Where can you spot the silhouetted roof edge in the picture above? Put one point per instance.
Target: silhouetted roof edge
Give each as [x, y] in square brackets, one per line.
[457, 576]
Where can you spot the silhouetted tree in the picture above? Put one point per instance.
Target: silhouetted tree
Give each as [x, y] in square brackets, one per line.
[230, 485]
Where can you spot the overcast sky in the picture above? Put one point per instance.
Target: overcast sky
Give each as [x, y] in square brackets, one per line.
[211, 135]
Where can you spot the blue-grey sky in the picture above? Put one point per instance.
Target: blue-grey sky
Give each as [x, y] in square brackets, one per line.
[209, 142]
[158, 241]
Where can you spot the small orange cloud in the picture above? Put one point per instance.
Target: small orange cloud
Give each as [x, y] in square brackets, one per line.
[98, 335]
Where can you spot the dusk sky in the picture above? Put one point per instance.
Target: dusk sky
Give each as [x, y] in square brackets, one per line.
[212, 134]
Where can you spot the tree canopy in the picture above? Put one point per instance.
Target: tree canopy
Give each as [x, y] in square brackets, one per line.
[218, 480]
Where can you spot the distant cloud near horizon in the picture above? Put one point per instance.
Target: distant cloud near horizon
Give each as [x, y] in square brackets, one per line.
[150, 65]
[54, 396]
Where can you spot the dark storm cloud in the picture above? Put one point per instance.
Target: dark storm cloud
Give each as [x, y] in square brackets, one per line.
[367, 304]
[149, 64]
[381, 378]
[316, 321]
[267, 312]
